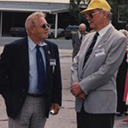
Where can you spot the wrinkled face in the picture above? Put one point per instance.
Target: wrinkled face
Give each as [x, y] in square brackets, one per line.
[41, 29]
[95, 18]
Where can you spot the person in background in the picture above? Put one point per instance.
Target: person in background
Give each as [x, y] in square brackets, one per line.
[126, 27]
[95, 67]
[120, 81]
[125, 98]
[30, 79]
[77, 39]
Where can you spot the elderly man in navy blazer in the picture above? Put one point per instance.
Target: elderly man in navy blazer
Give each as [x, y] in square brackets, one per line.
[30, 78]
[95, 68]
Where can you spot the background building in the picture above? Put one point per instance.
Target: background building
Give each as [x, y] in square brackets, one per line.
[14, 12]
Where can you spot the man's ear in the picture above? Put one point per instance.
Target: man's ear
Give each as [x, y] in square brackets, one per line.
[32, 30]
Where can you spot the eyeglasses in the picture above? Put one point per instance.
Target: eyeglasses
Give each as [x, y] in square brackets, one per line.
[44, 26]
[91, 14]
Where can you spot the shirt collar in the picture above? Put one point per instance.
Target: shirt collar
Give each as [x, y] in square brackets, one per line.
[32, 45]
[104, 30]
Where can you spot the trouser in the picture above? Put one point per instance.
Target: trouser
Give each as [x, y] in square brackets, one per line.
[86, 120]
[32, 114]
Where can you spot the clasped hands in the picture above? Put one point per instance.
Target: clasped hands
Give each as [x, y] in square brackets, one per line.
[77, 91]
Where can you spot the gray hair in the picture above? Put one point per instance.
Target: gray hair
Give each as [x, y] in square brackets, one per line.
[32, 20]
[82, 25]
[109, 14]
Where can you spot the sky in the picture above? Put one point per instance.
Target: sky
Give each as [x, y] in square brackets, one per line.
[53, 1]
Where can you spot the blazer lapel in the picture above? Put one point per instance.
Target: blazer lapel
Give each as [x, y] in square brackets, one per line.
[104, 38]
[83, 51]
[47, 55]
[99, 45]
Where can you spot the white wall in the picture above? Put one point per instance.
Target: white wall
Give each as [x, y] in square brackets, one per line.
[47, 1]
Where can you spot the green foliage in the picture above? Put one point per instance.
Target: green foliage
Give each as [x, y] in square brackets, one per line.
[75, 8]
[120, 12]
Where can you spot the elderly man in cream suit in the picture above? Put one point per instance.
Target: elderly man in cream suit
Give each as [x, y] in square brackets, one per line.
[93, 78]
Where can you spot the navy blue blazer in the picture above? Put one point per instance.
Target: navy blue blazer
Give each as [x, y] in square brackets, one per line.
[14, 76]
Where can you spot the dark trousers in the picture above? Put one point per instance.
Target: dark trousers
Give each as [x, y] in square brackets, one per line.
[86, 120]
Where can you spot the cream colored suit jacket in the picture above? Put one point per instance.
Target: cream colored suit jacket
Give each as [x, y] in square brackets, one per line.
[98, 77]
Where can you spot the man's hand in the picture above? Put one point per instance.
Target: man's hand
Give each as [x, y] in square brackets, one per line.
[82, 95]
[75, 89]
[56, 108]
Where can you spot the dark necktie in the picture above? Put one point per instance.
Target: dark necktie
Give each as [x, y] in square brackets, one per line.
[40, 69]
[89, 51]
[81, 38]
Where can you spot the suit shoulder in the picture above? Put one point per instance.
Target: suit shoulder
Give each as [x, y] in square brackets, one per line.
[118, 36]
[17, 42]
[116, 33]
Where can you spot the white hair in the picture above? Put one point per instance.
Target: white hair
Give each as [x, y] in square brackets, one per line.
[82, 25]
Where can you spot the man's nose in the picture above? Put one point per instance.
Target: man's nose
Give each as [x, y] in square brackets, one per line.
[47, 28]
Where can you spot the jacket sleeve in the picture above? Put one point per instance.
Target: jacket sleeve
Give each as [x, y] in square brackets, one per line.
[57, 82]
[6, 59]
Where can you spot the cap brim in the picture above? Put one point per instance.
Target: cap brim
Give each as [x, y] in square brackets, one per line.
[86, 10]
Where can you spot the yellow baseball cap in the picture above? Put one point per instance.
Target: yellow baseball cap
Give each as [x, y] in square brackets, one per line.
[97, 4]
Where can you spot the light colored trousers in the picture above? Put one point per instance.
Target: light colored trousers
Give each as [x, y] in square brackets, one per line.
[32, 114]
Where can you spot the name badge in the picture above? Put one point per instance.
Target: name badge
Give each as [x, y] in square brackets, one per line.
[52, 62]
[99, 52]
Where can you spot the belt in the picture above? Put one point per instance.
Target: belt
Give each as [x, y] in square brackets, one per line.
[36, 95]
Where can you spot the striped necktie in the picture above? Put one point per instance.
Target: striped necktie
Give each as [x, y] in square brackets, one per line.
[89, 51]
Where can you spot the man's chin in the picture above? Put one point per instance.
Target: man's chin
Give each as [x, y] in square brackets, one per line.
[45, 37]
